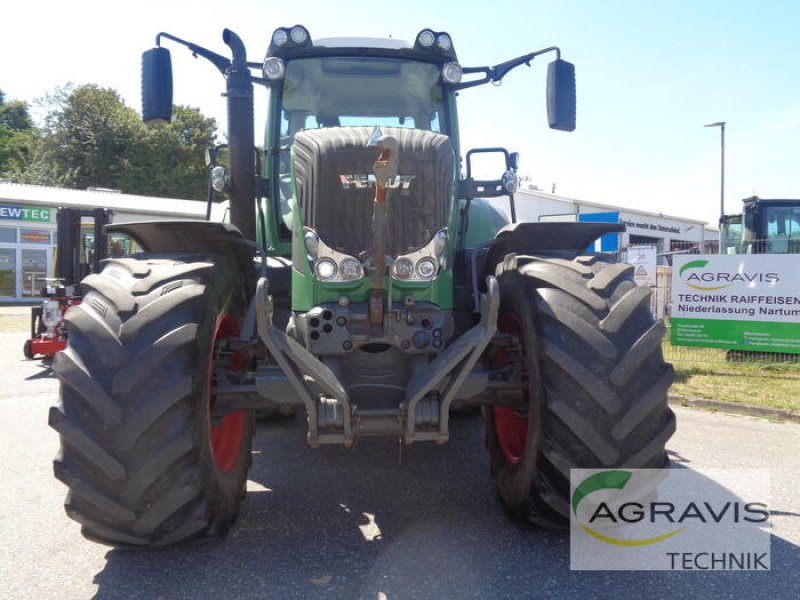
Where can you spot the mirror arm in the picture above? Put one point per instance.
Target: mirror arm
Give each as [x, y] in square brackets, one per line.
[220, 62]
[487, 77]
[497, 72]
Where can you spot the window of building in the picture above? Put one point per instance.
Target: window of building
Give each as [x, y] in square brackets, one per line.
[8, 234]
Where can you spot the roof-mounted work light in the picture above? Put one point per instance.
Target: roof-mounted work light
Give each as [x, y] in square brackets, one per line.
[439, 43]
[288, 38]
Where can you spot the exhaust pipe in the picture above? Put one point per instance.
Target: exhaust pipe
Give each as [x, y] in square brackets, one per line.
[241, 137]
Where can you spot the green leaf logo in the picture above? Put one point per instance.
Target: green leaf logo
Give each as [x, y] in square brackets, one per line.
[695, 264]
[699, 264]
[599, 481]
[613, 480]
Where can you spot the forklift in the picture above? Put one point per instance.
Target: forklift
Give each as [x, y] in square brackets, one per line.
[82, 245]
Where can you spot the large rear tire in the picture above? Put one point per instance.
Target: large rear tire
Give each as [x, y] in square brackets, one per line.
[596, 381]
[144, 463]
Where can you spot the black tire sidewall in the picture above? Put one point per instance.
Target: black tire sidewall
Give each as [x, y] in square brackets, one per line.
[514, 481]
[224, 489]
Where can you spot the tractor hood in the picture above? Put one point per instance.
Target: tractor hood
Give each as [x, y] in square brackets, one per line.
[333, 170]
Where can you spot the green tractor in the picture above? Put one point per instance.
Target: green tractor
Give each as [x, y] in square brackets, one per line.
[365, 279]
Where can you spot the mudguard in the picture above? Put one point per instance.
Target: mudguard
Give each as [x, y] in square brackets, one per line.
[533, 238]
[194, 237]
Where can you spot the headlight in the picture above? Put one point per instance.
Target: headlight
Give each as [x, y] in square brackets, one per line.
[427, 268]
[325, 269]
[299, 35]
[288, 38]
[452, 72]
[435, 42]
[440, 244]
[219, 179]
[350, 269]
[510, 182]
[403, 268]
[423, 264]
[329, 265]
[444, 42]
[280, 37]
[311, 240]
[273, 68]
[426, 38]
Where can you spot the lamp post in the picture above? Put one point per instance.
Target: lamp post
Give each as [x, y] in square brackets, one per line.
[721, 125]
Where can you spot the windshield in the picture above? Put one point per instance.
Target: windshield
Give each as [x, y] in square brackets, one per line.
[782, 229]
[360, 91]
[730, 234]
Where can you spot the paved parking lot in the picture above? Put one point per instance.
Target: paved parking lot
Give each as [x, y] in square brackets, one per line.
[335, 523]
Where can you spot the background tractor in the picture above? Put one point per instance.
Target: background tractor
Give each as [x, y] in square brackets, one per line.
[365, 278]
[765, 226]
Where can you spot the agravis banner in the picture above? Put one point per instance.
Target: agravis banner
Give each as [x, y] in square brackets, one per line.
[740, 302]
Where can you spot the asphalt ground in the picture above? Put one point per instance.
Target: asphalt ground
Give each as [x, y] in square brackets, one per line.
[361, 523]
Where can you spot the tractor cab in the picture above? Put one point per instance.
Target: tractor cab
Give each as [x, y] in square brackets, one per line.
[765, 226]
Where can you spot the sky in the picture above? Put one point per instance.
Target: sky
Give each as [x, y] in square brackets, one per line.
[649, 76]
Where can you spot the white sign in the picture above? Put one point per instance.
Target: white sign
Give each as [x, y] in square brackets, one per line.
[744, 302]
[644, 261]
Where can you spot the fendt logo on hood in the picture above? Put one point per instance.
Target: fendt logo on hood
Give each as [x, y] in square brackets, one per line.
[360, 182]
[694, 275]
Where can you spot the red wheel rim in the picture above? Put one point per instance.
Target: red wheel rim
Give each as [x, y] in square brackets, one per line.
[510, 428]
[227, 437]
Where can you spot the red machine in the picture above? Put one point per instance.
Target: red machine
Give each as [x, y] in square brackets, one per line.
[79, 253]
[48, 334]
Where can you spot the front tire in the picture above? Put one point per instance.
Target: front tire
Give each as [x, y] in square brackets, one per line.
[596, 381]
[144, 463]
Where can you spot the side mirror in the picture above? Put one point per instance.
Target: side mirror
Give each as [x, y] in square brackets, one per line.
[492, 188]
[561, 97]
[156, 86]
[512, 162]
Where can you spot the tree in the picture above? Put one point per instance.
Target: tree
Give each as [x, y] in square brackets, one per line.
[15, 128]
[171, 158]
[14, 115]
[91, 138]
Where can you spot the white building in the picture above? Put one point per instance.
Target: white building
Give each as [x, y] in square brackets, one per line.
[28, 227]
[642, 228]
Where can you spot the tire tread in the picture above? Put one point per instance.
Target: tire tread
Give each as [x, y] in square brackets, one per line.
[131, 455]
[601, 399]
